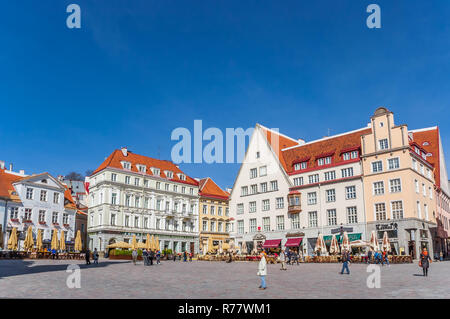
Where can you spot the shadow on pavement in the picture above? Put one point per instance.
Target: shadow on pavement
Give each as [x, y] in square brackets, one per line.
[9, 268]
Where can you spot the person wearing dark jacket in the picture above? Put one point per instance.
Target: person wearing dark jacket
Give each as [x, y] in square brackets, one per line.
[425, 261]
[88, 256]
[151, 255]
[145, 257]
[345, 261]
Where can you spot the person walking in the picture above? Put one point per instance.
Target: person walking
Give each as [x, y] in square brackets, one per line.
[425, 261]
[88, 256]
[283, 260]
[386, 258]
[262, 270]
[369, 256]
[174, 257]
[145, 257]
[190, 256]
[345, 262]
[158, 257]
[151, 255]
[95, 256]
[185, 256]
[134, 255]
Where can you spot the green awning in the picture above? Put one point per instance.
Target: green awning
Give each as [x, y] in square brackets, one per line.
[351, 237]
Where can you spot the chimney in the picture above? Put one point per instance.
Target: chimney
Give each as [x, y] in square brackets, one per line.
[124, 151]
[10, 167]
[22, 172]
[301, 141]
[2, 165]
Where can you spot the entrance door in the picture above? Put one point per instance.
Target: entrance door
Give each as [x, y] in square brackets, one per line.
[412, 249]
[192, 247]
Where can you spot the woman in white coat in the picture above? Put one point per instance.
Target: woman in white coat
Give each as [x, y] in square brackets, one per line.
[262, 270]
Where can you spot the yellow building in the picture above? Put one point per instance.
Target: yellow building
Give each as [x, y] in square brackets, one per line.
[213, 217]
[398, 185]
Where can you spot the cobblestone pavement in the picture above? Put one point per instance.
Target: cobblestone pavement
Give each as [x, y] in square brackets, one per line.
[200, 279]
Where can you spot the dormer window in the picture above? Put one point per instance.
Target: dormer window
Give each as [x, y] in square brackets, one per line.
[324, 161]
[350, 155]
[182, 177]
[126, 165]
[44, 181]
[155, 171]
[299, 166]
[425, 144]
[141, 168]
[169, 174]
[416, 149]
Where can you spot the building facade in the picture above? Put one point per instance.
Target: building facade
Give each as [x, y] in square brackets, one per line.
[131, 194]
[39, 201]
[214, 216]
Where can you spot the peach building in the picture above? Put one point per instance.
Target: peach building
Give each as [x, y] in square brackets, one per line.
[398, 184]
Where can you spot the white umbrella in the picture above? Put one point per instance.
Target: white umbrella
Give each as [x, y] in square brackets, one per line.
[386, 244]
[334, 246]
[320, 245]
[374, 241]
[345, 242]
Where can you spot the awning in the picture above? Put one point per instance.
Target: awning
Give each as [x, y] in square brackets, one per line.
[272, 243]
[293, 242]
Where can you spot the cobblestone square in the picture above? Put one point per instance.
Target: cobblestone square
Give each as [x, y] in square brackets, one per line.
[200, 279]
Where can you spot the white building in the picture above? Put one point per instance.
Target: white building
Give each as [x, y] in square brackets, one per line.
[131, 194]
[39, 201]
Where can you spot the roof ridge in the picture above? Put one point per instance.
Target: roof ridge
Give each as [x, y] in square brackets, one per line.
[275, 132]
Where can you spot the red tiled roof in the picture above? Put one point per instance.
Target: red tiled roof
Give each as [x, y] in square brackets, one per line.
[117, 156]
[68, 196]
[326, 146]
[6, 185]
[432, 137]
[209, 188]
[283, 142]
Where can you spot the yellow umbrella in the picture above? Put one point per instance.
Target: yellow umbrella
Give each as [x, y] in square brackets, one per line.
[151, 242]
[157, 242]
[55, 240]
[78, 243]
[133, 243]
[210, 245]
[62, 242]
[148, 243]
[12, 241]
[29, 242]
[39, 240]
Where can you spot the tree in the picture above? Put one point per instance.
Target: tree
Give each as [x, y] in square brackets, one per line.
[89, 172]
[74, 176]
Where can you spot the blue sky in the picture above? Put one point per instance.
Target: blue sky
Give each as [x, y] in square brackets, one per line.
[138, 69]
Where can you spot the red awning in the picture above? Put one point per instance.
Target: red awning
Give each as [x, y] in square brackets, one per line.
[272, 243]
[293, 242]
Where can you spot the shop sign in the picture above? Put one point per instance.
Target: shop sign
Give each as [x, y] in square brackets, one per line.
[391, 226]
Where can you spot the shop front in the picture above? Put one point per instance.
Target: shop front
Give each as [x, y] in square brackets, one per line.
[294, 244]
[272, 246]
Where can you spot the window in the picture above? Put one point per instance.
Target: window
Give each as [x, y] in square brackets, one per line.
[378, 188]
[266, 223]
[297, 167]
[219, 211]
[66, 218]
[220, 227]
[397, 209]
[212, 210]
[27, 215]
[128, 200]
[43, 196]
[430, 192]
[280, 222]
[257, 155]
[240, 226]
[114, 199]
[155, 171]
[252, 225]
[425, 206]
[55, 198]
[312, 217]
[312, 198]
[350, 192]
[29, 193]
[280, 202]
[354, 154]
[330, 175]
[127, 179]
[298, 181]
[253, 173]
[145, 222]
[416, 184]
[126, 165]
[395, 185]
[137, 201]
[191, 191]
[145, 182]
[274, 185]
[265, 205]
[240, 208]
[253, 189]
[169, 174]
[419, 211]
[42, 216]
[113, 177]
[127, 221]
[393, 163]
[175, 188]
[331, 216]
[421, 169]
[113, 219]
[55, 217]
[166, 187]
[380, 211]
[383, 144]
[295, 221]
[252, 207]
[352, 216]
[263, 171]
[346, 156]
[244, 190]
[377, 167]
[136, 221]
[428, 173]
[331, 195]
[183, 190]
[147, 202]
[227, 211]
[136, 182]
[414, 164]
[313, 178]
[347, 172]
[205, 225]
[14, 212]
[424, 190]
[263, 187]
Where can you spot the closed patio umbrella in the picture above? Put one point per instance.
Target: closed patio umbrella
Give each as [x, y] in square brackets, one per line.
[148, 242]
[334, 246]
[119, 244]
[29, 242]
[320, 245]
[386, 244]
[78, 243]
[12, 241]
[133, 243]
[39, 245]
[345, 242]
[244, 248]
[157, 242]
[374, 241]
[55, 243]
[62, 242]
[210, 245]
